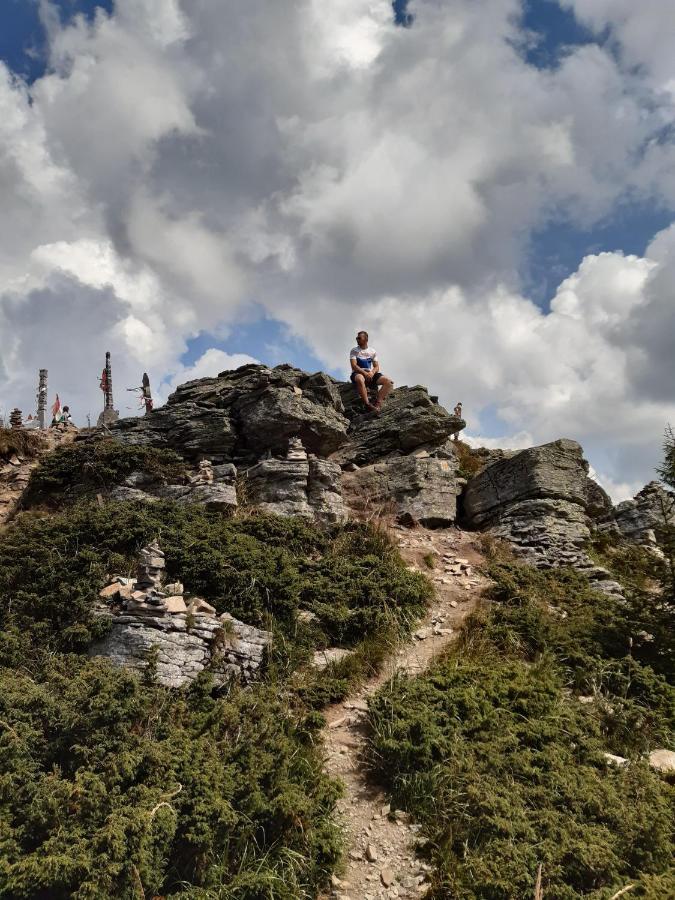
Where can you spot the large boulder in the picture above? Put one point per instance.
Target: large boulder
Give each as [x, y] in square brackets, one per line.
[182, 647]
[306, 487]
[409, 419]
[541, 500]
[556, 471]
[641, 519]
[417, 489]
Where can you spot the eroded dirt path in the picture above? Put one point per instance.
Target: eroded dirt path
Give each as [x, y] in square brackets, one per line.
[381, 861]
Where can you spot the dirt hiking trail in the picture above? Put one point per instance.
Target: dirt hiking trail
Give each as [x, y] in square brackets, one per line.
[380, 859]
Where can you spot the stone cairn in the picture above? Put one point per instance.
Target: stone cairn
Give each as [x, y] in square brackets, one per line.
[148, 616]
[205, 474]
[296, 450]
[15, 419]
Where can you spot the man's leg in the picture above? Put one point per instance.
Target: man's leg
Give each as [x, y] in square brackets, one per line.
[360, 382]
[385, 387]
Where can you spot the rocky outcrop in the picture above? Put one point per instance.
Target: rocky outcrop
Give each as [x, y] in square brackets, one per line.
[239, 415]
[417, 489]
[218, 492]
[410, 419]
[641, 519]
[299, 485]
[250, 416]
[153, 624]
[540, 500]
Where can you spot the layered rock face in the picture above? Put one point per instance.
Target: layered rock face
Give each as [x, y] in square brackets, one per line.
[218, 492]
[641, 519]
[540, 500]
[240, 415]
[417, 489]
[410, 419]
[181, 649]
[290, 434]
[299, 485]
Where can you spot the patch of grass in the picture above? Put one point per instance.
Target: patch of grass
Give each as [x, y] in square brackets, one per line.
[19, 442]
[429, 560]
[87, 467]
[494, 754]
[471, 460]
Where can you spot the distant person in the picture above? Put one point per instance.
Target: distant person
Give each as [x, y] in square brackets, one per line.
[457, 411]
[366, 374]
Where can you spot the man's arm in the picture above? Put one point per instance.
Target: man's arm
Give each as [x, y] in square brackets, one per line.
[367, 374]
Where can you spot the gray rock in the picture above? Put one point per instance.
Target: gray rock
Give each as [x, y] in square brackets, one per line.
[310, 488]
[417, 489]
[662, 761]
[409, 419]
[230, 649]
[641, 519]
[221, 493]
[323, 658]
[540, 500]
[243, 413]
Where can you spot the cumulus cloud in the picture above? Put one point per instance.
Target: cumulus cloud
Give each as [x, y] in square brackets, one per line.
[179, 163]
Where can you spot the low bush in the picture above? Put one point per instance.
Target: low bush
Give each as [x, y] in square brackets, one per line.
[504, 766]
[115, 787]
[96, 466]
[111, 788]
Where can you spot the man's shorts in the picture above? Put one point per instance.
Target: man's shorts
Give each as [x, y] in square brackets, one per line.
[376, 377]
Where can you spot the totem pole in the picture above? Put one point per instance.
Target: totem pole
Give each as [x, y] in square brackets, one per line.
[109, 414]
[42, 400]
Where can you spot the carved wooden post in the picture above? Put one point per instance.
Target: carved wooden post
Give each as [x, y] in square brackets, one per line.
[109, 414]
[42, 399]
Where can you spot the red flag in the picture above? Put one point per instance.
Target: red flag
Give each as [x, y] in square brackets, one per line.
[56, 408]
[104, 381]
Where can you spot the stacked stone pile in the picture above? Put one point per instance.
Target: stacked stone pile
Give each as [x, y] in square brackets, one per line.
[150, 619]
[15, 419]
[540, 500]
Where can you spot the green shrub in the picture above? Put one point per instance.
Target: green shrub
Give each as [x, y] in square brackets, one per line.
[257, 568]
[114, 789]
[97, 466]
[503, 765]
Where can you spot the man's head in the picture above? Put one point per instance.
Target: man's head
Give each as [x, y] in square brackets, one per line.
[362, 338]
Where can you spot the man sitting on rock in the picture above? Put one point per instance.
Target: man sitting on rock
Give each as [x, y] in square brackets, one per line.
[366, 373]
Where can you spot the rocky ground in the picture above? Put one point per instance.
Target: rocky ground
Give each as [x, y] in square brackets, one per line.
[381, 861]
[16, 469]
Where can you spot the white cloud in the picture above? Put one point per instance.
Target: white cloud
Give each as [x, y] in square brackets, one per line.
[180, 162]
